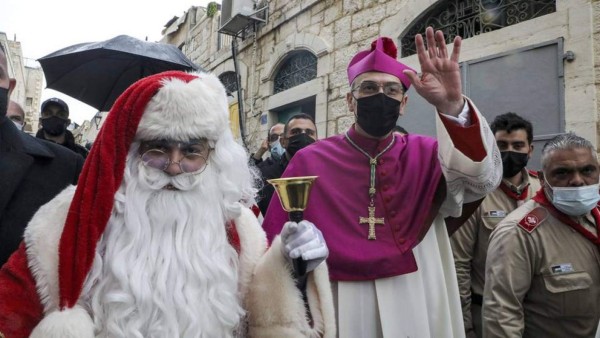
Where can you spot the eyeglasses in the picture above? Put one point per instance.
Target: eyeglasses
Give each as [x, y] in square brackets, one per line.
[274, 137]
[157, 154]
[368, 88]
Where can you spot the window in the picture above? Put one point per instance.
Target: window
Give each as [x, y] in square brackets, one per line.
[298, 68]
[28, 101]
[229, 80]
[468, 18]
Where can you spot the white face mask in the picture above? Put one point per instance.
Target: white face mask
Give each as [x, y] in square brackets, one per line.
[575, 201]
[276, 150]
[19, 126]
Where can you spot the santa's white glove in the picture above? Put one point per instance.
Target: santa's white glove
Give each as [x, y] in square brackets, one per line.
[303, 240]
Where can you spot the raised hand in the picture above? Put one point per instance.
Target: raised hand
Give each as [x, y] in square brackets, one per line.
[439, 83]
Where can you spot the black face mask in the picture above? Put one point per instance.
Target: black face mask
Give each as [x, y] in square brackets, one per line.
[513, 162]
[3, 101]
[298, 142]
[54, 125]
[377, 114]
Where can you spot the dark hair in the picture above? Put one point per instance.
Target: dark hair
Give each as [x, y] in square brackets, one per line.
[300, 116]
[511, 121]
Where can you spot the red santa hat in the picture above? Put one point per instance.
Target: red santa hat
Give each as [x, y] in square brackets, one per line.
[380, 58]
[170, 105]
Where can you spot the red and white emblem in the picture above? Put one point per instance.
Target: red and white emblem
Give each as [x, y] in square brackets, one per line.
[531, 220]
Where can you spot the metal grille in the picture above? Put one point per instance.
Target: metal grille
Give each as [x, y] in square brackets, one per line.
[299, 68]
[229, 80]
[467, 18]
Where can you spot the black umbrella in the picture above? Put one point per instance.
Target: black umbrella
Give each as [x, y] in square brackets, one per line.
[96, 73]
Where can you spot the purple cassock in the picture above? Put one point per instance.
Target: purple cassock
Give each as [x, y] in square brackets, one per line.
[407, 177]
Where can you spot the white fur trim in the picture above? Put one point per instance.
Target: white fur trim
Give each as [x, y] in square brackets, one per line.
[42, 237]
[253, 243]
[182, 111]
[275, 305]
[320, 301]
[69, 323]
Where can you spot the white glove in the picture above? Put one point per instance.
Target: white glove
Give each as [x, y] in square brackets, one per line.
[303, 240]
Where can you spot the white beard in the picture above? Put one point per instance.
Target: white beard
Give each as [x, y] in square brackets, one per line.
[164, 267]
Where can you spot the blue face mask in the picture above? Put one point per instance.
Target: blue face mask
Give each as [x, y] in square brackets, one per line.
[276, 150]
[574, 201]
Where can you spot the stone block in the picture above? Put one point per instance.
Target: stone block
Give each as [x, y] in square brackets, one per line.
[342, 31]
[332, 13]
[352, 6]
[343, 123]
[337, 108]
[368, 17]
[365, 35]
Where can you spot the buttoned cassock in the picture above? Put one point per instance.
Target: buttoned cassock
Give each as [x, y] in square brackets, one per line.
[470, 243]
[542, 277]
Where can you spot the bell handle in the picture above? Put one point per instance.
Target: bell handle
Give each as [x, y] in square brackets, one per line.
[298, 263]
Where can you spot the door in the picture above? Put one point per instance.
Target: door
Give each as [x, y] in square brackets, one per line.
[527, 81]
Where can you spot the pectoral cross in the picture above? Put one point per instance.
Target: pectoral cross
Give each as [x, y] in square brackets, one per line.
[372, 221]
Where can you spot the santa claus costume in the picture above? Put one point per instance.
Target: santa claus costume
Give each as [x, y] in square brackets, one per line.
[135, 252]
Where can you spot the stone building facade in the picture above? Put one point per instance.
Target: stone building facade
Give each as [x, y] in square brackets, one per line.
[537, 58]
[30, 79]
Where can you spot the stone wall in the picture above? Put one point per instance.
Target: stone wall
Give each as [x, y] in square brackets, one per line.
[334, 30]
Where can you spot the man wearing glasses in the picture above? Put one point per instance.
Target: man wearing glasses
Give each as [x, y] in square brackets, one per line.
[54, 120]
[299, 132]
[271, 144]
[386, 204]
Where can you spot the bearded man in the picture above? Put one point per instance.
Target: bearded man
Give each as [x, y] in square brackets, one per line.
[157, 239]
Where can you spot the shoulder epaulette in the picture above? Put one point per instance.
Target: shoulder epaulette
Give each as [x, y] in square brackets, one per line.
[533, 173]
[533, 219]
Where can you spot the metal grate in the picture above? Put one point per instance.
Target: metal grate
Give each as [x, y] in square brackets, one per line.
[229, 80]
[467, 18]
[299, 68]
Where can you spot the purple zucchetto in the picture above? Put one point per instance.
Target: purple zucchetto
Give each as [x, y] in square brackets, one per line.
[381, 58]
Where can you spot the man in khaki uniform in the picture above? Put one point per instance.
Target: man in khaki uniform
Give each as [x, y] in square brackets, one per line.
[514, 136]
[542, 276]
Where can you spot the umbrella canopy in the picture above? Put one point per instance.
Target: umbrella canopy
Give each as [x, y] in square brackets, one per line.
[96, 73]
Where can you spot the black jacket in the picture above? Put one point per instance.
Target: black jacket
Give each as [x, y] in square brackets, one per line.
[32, 172]
[69, 143]
[269, 169]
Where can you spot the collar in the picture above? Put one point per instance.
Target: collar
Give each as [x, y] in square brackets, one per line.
[12, 139]
[370, 145]
[524, 182]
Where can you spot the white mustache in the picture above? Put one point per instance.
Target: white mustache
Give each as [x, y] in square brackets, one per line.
[155, 179]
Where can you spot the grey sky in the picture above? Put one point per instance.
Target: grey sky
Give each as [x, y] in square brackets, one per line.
[44, 26]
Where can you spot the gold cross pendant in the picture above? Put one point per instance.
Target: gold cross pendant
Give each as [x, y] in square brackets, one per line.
[372, 221]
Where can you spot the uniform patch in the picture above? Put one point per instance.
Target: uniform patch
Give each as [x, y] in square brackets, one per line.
[533, 219]
[495, 213]
[562, 268]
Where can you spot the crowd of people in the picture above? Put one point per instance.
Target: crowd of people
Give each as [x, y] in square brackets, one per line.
[170, 229]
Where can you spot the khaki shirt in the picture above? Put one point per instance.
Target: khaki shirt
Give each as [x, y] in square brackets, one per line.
[541, 282]
[470, 241]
